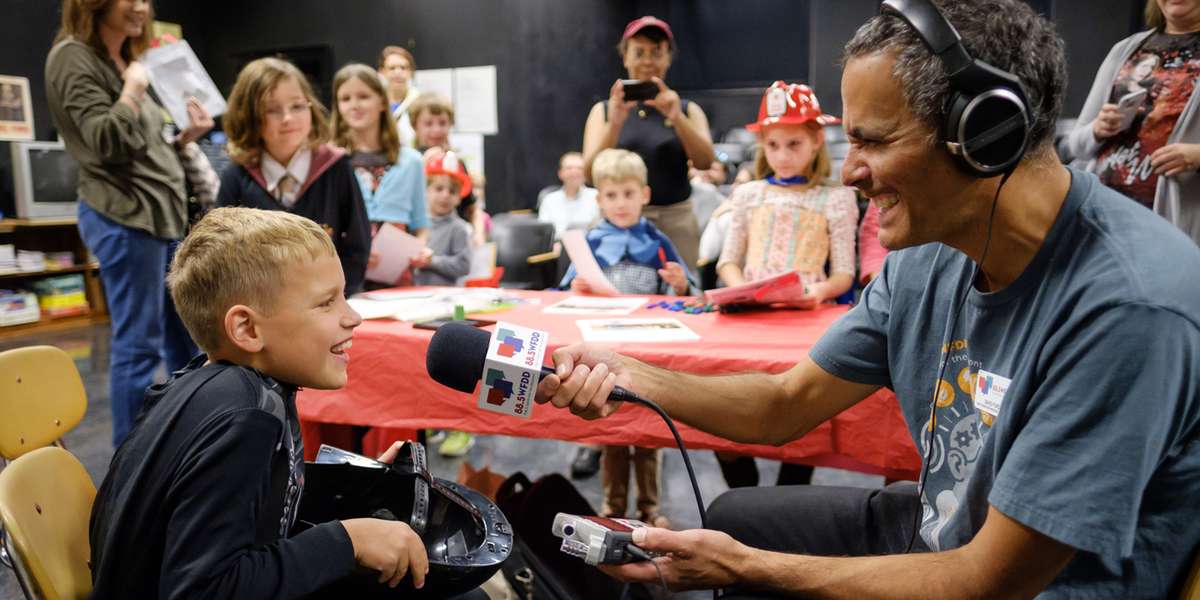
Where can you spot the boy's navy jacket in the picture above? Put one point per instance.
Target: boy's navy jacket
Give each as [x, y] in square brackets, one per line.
[199, 499]
[331, 196]
[639, 243]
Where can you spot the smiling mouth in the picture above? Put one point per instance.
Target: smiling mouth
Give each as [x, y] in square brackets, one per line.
[342, 347]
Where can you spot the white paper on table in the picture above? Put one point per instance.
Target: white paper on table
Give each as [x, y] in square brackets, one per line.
[635, 330]
[375, 309]
[395, 249]
[475, 99]
[177, 76]
[386, 295]
[595, 305]
[585, 263]
[435, 81]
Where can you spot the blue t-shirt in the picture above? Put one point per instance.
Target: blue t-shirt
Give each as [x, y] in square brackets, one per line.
[1070, 400]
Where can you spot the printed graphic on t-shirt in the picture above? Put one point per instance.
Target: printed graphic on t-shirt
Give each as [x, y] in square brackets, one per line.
[370, 168]
[1166, 66]
[959, 433]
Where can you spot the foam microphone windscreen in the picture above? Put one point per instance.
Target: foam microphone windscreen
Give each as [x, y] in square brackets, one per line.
[456, 355]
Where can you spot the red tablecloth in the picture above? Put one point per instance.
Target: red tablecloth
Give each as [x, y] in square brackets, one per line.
[389, 387]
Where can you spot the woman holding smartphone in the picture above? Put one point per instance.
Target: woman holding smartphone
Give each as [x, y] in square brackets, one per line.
[654, 122]
[1146, 145]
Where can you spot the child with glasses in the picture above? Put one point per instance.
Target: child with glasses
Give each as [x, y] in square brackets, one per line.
[277, 132]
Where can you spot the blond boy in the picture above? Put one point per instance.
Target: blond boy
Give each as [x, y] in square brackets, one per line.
[636, 258]
[201, 498]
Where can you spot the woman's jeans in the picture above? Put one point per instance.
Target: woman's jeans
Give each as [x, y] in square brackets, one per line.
[145, 328]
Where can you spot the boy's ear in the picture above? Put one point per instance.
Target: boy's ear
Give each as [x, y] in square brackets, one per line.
[241, 328]
[645, 195]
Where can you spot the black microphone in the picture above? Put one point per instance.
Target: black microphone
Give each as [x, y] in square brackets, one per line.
[458, 352]
[456, 357]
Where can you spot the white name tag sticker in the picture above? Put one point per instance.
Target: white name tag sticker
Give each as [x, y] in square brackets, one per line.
[990, 389]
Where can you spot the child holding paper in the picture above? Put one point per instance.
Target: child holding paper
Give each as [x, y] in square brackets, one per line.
[791, 219]
[391, 177]
[447, 259]
[636, 258]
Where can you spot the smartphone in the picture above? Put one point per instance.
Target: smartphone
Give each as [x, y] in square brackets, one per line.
[1128, 106]
[639, 89]
[435, 323]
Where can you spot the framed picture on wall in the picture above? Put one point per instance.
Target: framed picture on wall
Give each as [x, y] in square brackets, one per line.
[16, 110]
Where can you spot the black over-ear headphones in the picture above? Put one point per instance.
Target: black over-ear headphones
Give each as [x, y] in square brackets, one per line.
[987, 116]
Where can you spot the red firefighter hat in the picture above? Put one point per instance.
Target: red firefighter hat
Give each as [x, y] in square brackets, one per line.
[449, 164]
[790, 104]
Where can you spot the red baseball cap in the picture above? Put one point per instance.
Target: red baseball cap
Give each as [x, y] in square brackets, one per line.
[790, 104]
[641, 23]
[449, 164]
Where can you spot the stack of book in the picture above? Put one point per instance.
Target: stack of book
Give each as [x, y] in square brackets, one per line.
[61, 296]
[31, 261]
[8, 259]
[18, 307]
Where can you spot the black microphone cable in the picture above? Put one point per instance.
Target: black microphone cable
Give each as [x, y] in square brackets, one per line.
[629, 396]
[954, 310]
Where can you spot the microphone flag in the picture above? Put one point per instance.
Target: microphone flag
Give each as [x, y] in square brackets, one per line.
[512, 369]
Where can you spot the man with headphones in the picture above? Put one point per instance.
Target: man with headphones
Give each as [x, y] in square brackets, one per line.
[1047, 364]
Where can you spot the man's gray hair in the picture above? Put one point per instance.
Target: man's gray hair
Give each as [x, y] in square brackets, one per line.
[1006, 34]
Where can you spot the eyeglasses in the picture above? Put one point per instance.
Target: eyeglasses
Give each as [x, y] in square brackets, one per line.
[281, 113]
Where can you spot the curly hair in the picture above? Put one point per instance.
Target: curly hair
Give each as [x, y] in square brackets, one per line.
[1006, 34]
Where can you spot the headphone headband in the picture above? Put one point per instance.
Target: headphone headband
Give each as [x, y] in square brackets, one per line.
[938, 34]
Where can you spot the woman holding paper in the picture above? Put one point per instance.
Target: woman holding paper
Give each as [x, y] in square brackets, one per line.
[1140, 127]
[133, 208]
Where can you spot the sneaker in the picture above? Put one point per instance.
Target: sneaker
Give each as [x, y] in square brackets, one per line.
[435, 436]
[586, 462]
[457, 443]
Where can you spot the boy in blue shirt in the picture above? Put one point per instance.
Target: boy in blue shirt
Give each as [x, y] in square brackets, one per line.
[636, 258]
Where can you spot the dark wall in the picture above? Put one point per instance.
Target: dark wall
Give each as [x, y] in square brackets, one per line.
[554, 59]
[545, 85]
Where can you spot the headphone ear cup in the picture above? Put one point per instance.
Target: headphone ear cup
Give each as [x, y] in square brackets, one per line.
[990, 130]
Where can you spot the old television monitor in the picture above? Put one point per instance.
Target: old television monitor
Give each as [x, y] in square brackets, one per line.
[45, 179]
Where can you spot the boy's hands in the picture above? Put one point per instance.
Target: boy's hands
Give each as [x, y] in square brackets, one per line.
[423, 259]
[674, 275]
[390, 547]
[579, 286]
[389, 455]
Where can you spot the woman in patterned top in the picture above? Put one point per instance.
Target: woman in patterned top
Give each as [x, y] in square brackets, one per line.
[791, 219]
[1151, 155]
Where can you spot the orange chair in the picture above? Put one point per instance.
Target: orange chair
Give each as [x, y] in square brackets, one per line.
[46, 501]
[41, 398]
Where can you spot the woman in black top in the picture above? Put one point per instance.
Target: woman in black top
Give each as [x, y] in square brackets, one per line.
[666, 131]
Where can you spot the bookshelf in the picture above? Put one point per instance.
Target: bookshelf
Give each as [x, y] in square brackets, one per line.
[53, 235]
